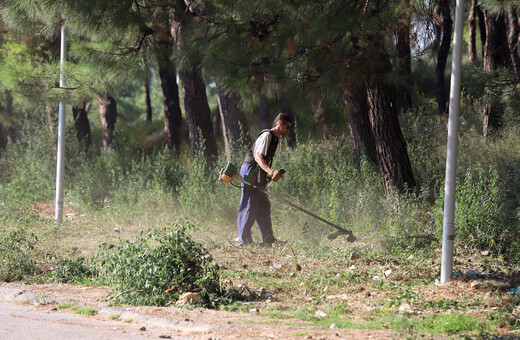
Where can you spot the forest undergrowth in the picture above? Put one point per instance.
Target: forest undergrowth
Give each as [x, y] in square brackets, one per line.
[128, 213]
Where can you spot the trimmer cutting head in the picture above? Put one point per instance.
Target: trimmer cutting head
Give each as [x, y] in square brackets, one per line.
[350, 238]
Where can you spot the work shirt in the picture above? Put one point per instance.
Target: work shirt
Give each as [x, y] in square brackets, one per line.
[262, 143]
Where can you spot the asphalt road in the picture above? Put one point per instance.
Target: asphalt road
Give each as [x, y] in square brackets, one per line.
[29, 322]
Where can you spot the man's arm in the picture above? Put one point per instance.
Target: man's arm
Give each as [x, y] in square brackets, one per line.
[259, 159]
[272, 174]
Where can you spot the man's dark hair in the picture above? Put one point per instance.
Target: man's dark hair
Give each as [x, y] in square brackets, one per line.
[284, 117]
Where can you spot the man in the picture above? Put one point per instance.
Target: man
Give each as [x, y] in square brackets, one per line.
[257, 169]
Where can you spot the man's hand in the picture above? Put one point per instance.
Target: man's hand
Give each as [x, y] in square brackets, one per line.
[275, 175]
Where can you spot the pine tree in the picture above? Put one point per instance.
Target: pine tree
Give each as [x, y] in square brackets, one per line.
[322, 47]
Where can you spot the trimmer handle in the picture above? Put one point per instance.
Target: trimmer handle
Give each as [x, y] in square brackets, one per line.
[282, 171]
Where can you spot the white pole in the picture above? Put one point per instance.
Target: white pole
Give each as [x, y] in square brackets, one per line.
[451, 156]
[60, 168]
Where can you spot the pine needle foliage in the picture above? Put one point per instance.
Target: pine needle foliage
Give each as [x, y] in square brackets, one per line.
[270, 45]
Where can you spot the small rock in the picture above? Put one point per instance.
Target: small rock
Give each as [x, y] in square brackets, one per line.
[354, 256]
[489, 301]
[188, 298]
[388, 272]
[332, 326]
[405, 308]
[484, 253]
[165, 336]
[277, 266]
[142, 328]
[253, 310]
[320, 314]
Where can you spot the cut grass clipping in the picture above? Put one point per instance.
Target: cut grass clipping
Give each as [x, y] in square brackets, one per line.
[158, 267]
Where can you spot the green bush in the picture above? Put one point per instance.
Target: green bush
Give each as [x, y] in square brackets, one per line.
[74, 270]
[483, 215]
[158, 267]
[16, 262]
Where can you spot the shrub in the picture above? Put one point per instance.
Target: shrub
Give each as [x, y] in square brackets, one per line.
[73, 270]
[16, 262]
[483, 217]
[158, 267]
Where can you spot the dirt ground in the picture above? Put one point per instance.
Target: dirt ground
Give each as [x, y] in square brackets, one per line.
[189, 323]
[296, 281]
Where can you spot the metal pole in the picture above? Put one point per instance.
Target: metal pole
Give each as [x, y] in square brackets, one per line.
[60, 166]
[451, 156]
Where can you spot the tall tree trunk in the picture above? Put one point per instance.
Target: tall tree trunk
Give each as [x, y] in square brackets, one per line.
[198, 112]
[512, 39]
[50, 114]
[3, 138]
[147, 100]
[472, 32]
[234, 125]
[108, 116]
[265, 119]
[171, 102]
[482, 28]
[404, 96]
[395, 165]
[7, 111]
[196, 105]
[82, 127]
[442, 56]
[394, 162]
[216, 122]
[363, 143]
[496, 54]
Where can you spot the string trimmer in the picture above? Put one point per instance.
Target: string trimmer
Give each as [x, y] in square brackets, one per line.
[229, 174]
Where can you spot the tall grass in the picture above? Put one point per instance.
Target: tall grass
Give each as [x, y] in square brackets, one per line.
[320, 178]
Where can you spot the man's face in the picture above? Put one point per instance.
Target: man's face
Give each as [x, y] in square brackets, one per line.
[285, 127]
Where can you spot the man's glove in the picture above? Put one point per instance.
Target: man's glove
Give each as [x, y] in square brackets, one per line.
[275, 175]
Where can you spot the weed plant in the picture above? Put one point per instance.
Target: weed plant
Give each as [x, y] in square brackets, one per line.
[320, 178]
[75, 270]
[158, 267]
[28, 167]
[16, 255]
[121, 178]
[484, 218]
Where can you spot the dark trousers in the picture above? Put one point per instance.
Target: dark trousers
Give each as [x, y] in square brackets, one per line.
[254, 206]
